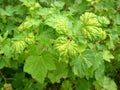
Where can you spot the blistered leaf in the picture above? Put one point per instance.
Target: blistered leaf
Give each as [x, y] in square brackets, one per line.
[30, 38]
[29, 22]
[60, 23]
[28, 3]
[66, 46]
[89, 19]
[19, 46]
[90, 26]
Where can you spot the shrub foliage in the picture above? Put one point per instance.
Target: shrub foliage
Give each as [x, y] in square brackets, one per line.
[59, 44]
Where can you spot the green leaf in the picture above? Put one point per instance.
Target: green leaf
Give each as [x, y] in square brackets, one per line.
[109, 84]
[2, 63]
[82, 47]
[58, 4]
[107, 56]
[78, 1]
[10, 10]
[102, 81]
[60, 44]
[117, 54]
[103, 20]
[99, 74]
[38, 66]
[60, 72]
[80, 66]
[84, 65]
[1, 26]
[18, 80]
[84, 84]
[2, 12]
[114, 38]
[66, 85]
[45, 38]
[106, 83]
[117, 19]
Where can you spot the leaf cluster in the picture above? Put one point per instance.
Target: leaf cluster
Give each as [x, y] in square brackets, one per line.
[59, 44]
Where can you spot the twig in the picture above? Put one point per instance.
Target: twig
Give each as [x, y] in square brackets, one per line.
[5, 79]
